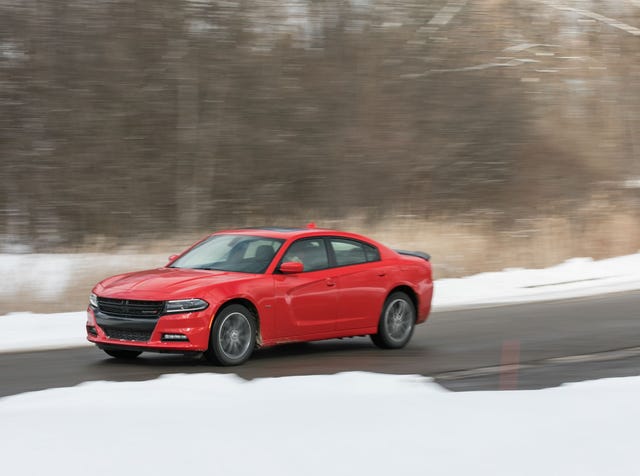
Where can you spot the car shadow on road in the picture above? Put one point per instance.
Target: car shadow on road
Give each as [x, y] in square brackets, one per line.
[306, 358]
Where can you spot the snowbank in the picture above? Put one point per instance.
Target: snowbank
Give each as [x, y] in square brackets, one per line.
[345, 424]
[574, 278]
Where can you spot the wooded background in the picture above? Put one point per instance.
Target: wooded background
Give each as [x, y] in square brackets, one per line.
[142, 118]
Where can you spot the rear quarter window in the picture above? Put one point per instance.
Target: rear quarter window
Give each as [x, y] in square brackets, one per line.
[349, 252]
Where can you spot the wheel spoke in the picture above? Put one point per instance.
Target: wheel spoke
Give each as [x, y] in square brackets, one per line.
[398, 319]
[235, 335]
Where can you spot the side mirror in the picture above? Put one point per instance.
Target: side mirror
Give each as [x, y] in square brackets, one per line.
[291, 267]
[172, 258]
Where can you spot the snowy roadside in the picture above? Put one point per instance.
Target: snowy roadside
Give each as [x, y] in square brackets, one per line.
[578, 277]
[24, 331]
[344, 424]
[575, 278]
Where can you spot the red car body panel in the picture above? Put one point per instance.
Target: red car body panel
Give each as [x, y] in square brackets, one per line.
[335, 302]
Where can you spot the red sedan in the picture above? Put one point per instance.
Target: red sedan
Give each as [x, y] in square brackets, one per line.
[241, 289]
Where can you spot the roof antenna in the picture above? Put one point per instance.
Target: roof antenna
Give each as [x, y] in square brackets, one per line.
[311, 225]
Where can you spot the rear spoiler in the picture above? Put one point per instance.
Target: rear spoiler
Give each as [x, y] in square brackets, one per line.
[417, 254]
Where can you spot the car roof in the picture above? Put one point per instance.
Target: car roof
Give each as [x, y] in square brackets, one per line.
[286, 233]
[273, 232]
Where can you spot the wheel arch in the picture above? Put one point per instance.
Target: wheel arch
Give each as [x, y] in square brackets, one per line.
[249, 305]
[408, 290]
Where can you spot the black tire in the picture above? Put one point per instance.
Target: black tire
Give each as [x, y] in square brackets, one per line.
[233, 336]
[397, 321]
[122, 354]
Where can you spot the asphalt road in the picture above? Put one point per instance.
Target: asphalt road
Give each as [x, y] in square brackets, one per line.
[508, 347]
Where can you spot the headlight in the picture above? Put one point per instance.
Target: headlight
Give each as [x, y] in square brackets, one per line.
[93, 300]
[186, 305]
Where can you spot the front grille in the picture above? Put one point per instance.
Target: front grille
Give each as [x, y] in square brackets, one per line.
[128, 334]
[130, 308]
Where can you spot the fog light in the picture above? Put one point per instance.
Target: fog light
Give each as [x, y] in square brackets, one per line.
[92, 331]
[174, 337]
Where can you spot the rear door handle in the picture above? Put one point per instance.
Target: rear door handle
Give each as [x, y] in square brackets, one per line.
[330, 282]
[382, 273]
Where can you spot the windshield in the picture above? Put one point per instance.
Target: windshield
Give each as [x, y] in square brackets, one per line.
[239, 253]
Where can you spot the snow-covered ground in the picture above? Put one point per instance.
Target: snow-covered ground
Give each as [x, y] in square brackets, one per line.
[345, 424]
[578, 277]
[575, 278]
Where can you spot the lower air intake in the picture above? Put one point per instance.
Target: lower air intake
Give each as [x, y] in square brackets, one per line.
[128, 334]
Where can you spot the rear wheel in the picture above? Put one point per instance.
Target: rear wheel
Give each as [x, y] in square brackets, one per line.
[122, 354]
[233, 336]
[397, 322]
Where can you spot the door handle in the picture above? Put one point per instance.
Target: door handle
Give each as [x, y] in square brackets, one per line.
[382, 273]
[330, 282]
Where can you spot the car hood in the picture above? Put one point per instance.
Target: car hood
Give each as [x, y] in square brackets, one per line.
[166, 283]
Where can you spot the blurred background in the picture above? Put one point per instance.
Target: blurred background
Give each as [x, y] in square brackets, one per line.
[488, 133]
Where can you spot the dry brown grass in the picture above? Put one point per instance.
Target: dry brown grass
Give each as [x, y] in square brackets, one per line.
[461, 248]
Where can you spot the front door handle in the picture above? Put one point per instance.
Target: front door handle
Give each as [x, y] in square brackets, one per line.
[382, 273]
[330, 282]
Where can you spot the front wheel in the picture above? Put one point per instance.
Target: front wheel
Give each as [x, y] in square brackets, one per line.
[397, 322]
[233, 336]
[122, 354]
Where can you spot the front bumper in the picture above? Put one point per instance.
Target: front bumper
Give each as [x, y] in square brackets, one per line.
[146, 334]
